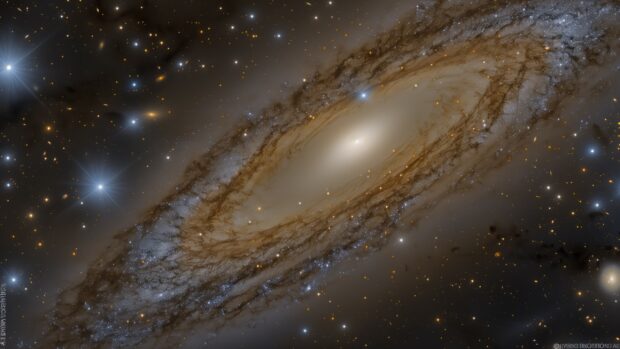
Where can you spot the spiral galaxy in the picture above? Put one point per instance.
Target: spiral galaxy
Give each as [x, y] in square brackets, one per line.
[427, 108]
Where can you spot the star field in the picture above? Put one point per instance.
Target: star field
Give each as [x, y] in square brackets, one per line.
[309, 174]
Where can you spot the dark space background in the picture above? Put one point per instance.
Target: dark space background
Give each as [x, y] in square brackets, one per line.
[103, 107]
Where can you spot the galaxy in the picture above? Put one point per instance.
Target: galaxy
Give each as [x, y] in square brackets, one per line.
[331, 174]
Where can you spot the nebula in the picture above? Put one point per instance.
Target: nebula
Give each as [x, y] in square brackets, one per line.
[427, 108]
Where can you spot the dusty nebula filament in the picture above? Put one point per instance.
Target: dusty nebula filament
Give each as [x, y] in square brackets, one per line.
[427, 108]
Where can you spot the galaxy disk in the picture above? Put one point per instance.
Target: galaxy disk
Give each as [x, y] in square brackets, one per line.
[427, 108]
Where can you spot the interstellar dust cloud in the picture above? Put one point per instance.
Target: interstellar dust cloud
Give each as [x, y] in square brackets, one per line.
[428, 107]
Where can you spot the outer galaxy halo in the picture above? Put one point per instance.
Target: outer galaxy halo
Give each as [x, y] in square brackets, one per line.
[468, 148]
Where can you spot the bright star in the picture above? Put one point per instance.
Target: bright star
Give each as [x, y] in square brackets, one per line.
[8, 67]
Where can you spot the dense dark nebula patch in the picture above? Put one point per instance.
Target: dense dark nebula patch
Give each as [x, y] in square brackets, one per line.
[484, 74]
